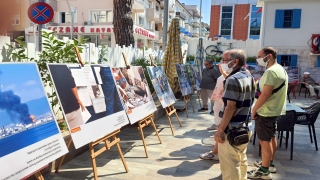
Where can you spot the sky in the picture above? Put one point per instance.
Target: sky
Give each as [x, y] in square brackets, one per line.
[22, 79]
[206, 8]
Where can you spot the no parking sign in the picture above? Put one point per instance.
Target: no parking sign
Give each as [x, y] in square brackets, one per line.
[40, 13]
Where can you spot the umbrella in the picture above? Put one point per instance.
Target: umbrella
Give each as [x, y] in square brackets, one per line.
[200, 55]
[173, 54]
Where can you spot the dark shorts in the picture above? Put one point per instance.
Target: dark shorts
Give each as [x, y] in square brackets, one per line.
[265, 127]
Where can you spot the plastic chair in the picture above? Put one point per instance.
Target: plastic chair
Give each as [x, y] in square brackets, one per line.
[303, 86]
[286, 123]
[294, 83]
[288, 91]
[309, 119]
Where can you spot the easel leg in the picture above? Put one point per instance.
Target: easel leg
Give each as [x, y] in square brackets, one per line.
[93, 160]
[186, 106]
[155, 129]
[143, 141]
[121, 155]
[178, 118]
[62, 158]
[191, 102]
[39, 176]
[170, 125]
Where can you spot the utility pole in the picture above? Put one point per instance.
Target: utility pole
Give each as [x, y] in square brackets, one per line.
[200, 17]
[165, 24]
[72, 12]
[40, 26]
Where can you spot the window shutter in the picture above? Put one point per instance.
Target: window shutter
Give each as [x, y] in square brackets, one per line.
[279, 59]
[296, 18]
[294, 60]
[278, 23]
[318, 61]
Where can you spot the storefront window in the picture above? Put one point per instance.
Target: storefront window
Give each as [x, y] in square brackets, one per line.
[104, 40]
[91, 39]
[101, 16]
[65, 17]
[140, 43]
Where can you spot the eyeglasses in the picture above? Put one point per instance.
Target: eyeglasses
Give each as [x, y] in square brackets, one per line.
[226, 60]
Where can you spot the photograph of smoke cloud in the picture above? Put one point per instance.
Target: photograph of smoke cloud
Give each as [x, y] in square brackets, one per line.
[25, 114]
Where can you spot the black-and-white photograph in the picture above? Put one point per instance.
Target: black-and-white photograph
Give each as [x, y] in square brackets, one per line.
[293, 73]
[194, 70]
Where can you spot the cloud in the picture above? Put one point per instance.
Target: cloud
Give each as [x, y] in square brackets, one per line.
[10, 87]
[30, 83]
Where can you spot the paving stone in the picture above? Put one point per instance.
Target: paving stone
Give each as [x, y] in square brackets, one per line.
[178, 156]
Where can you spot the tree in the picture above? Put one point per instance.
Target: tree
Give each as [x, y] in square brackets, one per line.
[122, 22]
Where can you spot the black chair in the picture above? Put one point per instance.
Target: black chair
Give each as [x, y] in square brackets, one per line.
[309, 118]
[289, 91]
[303, 86]
[286, 123]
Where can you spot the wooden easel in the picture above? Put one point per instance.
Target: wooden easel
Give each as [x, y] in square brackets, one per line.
[37, 174]
[143, 123]
[109, 141]
[169, 111]
[148, 119]
[187, 99]
[199, 97]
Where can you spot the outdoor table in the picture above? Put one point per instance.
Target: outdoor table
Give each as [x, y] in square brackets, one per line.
[298, 110]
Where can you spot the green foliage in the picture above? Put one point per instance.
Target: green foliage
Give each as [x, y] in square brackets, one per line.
[252, 59]
[190, 58]
[103, 52]
[214, 58]
[54, 51]
[144, 63]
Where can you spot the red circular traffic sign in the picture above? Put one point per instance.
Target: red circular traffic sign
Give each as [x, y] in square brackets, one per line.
[40, 13]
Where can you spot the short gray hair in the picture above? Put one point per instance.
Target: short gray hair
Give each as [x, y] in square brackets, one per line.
[238, 54]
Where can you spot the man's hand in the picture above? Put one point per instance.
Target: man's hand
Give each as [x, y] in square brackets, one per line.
[219, 137]
[306, 84]
[82, 106]
[253, 114]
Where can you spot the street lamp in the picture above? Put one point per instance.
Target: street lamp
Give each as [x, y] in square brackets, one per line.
[72, 12]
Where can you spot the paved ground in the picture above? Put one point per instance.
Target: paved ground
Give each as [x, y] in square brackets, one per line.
[178, 156]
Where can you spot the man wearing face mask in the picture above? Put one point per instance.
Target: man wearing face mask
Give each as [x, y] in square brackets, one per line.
[210, 75]
[238, 96]
[270, 104]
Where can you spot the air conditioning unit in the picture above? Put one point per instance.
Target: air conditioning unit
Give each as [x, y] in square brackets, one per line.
[315, 42]
[88, 23]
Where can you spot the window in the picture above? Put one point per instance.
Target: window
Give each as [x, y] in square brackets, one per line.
[226, 21]
[16, 20]
[255, 23]
[287, 60]
[289, 18]
[65, 17]
[318, 61]
[101, 16]
[141, 21]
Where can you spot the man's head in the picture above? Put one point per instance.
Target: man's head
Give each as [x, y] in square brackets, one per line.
[208, 64]
[306, 74]
[225, 57]
[237, 59]
[267, 54]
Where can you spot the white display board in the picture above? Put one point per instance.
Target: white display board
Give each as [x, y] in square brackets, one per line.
[89, 100]
[194, 70]
[134, 92]
[184, 79]
[161, 85]
[29, 134]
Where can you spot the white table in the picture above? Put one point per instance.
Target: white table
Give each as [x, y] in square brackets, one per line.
[290, 107]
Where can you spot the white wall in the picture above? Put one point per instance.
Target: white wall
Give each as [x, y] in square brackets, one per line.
[219, 2]
[250, 46]
[290, 38]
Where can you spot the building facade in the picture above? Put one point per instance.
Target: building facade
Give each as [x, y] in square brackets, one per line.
[235, 19]
[288, 26]
[94, 21]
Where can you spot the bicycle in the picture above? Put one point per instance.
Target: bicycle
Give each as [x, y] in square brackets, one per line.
[215, 50]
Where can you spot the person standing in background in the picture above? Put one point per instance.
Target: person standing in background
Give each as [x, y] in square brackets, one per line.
[210, 74]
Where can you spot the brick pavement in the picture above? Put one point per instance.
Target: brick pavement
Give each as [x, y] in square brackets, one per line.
[178, 156]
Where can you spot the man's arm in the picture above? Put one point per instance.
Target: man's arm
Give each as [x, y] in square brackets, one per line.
[75, 93]
[302, 81]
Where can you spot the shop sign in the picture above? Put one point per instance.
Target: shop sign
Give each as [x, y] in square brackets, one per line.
[144, 32]
[81, 29]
